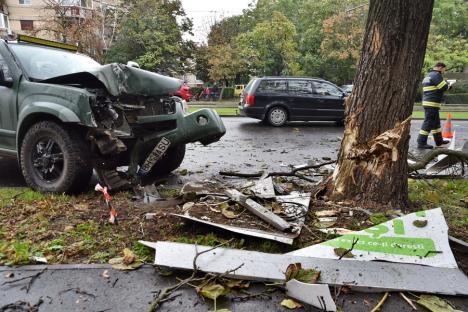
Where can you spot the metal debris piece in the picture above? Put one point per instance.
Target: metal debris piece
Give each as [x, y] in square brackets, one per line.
[295, 208]
[264, 188]
[369, 275]
[285, 238]
[258, 210]
[326, 213]
[317, 295]
[336, 231]
[108, 199]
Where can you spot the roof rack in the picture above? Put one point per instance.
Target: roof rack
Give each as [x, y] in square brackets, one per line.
[48, 43]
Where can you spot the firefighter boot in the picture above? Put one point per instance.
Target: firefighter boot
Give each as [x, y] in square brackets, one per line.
[422, 140]
[439, 140]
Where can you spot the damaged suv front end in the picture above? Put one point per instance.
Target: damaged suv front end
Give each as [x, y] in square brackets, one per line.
[132, 130]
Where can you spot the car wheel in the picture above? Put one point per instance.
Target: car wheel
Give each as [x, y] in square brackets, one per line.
[277, 116]
[169, 162]
[55, 159]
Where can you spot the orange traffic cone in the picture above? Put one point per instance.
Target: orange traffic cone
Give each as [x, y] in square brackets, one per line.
[447, 132]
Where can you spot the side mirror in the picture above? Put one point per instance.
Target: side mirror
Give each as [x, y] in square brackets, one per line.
[5, 82]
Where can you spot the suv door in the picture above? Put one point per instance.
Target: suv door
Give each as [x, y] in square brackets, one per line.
[329, 100]
[271, 91]
[302, 105]
[8, 117]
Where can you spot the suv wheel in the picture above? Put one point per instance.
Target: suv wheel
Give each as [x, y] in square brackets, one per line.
[171, 161]
[277, 116]
[54, 159]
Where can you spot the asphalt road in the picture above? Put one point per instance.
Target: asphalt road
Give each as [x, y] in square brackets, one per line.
[249, 145]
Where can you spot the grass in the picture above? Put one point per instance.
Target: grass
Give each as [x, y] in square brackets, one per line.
[443, 115]
[450, 195]
[222, 111]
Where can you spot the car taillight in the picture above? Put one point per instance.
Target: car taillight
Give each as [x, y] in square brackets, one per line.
[249, 100]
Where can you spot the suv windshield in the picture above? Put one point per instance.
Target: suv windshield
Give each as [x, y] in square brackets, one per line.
[42, 63]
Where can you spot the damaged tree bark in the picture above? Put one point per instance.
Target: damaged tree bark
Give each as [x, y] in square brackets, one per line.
[372, 166]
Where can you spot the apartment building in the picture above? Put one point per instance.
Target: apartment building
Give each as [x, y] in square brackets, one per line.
[26, 16]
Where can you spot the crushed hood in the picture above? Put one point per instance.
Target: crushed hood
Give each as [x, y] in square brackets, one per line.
[121, 79]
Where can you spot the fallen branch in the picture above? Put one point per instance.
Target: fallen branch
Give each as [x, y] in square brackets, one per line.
[78, 291]
[408, 300]
[31, 281]
[347, 251]
[166, 293]
[377, 307]
[22, 306]
[427, 158]
[292, 173]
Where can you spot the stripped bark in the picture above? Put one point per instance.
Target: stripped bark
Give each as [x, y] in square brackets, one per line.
[372, 166]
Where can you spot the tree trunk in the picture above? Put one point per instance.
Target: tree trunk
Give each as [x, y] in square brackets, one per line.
[372, 166]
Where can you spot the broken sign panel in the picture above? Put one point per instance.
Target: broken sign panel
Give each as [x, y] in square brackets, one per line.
[397, 240]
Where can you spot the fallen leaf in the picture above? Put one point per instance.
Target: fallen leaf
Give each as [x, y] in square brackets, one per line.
[420, 223]
[309, 276]
[435, 304]
[213, 291]
[292, 270]
[324, 225]
[433, 196]
[165, 273]
[128, 257]
[342, 252]
[291, 304]
[118, 264]
[187, 206]
[239, 284]
[378, 218]
[228, 213]
[276, 207]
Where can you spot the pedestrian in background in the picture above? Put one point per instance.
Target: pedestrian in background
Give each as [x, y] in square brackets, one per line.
[434, 87]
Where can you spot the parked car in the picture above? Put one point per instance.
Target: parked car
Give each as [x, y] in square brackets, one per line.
[347, 89]
[238, 89]
[63, 115]
[183, 93]
[277, 100]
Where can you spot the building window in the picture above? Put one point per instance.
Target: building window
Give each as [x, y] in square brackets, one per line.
[25, 2]
[27, 25]
[4, 21]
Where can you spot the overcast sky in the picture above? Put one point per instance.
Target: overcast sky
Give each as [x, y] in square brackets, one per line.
[205, 12]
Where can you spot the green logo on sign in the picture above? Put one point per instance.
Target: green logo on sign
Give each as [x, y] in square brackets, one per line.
[407, 246]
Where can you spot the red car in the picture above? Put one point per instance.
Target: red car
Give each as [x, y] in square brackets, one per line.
[183, 93]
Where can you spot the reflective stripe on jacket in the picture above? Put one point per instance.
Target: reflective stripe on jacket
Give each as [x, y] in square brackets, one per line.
[434, 87]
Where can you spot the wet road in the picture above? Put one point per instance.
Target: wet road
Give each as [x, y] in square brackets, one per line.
[249, 145]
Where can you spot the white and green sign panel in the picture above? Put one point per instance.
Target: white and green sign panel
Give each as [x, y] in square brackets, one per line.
[397, 240]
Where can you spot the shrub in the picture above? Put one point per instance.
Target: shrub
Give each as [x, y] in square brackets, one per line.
[458, 98]
[228, 93]
[460, 86]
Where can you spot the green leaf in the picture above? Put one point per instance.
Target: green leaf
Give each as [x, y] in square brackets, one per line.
[341, 252]
[291, 304]
[378, 218]
[309, 276]
[420, 223]
[435, 304]
[213, 291]
[292, 270]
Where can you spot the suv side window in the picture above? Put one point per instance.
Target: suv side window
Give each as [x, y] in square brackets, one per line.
[300, 87]
[4, 68]
[272, 86]
[324, 88]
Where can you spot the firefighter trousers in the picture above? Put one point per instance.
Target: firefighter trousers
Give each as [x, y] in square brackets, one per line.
[431, 124]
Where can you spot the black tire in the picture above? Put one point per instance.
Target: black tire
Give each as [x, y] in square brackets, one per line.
[55, 159]
[277, 116]
[168, 163]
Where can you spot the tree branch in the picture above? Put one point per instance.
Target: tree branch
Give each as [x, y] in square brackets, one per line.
[426, 159]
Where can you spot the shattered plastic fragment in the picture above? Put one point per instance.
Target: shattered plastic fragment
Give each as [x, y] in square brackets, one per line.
[107, 198]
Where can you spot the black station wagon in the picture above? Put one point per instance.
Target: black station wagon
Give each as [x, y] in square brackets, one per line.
[277, 100]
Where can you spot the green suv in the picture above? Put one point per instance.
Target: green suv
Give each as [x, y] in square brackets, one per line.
[62, 115]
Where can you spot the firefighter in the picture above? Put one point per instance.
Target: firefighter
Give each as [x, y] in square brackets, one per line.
[434, 87]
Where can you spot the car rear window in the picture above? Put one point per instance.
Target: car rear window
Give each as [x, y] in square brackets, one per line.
[273, 86]
[249, 85]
